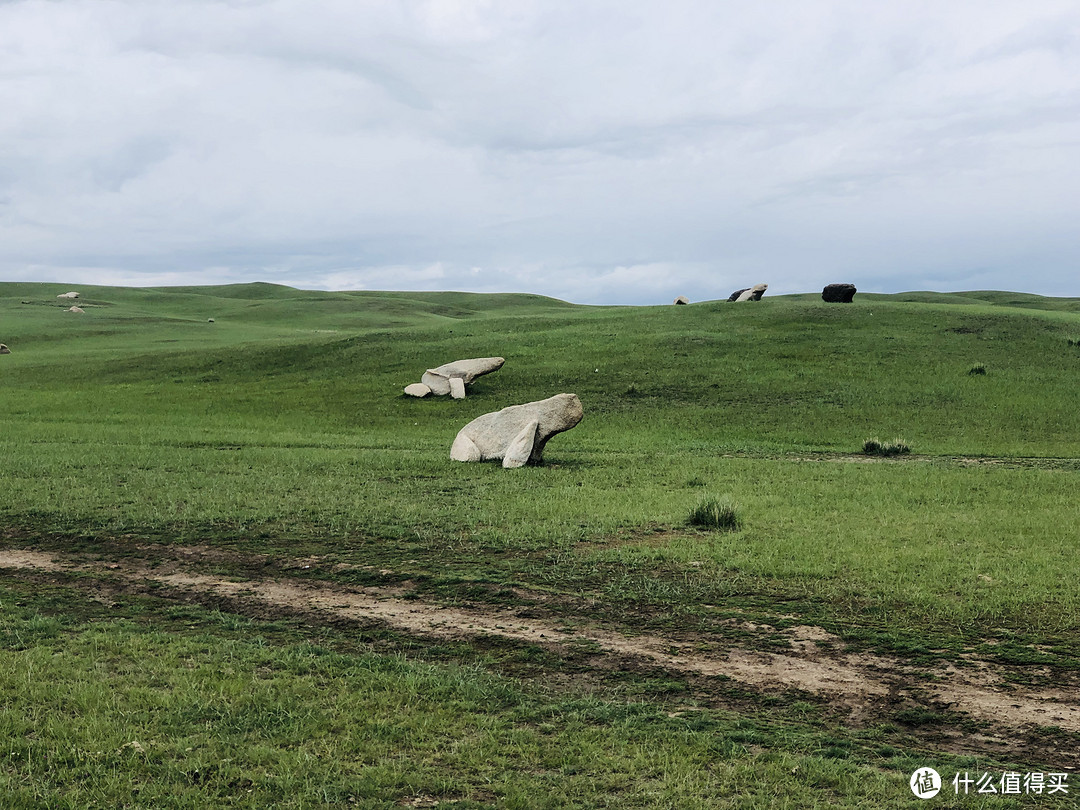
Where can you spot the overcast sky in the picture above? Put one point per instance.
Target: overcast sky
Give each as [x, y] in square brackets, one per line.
[600, 152]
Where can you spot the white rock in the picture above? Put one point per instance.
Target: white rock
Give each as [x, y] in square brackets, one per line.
[438, 384]
[754, 293]
[438, 379]
[417, 390]
[457, 387]
[517, 434]
[681, 300]
[4, 349]
[75, 309]
[68, 295]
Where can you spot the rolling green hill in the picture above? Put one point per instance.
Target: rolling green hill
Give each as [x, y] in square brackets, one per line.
[259, 432]
[288, 411]
[792, 374]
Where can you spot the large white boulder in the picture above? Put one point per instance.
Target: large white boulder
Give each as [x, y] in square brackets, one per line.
[68, 295]
[438, 379]
[517, 434]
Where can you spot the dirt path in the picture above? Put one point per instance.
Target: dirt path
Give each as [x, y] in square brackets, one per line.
[815, 662]
[1011, 462]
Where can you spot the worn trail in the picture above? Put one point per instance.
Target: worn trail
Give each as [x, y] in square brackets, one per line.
[815, 662]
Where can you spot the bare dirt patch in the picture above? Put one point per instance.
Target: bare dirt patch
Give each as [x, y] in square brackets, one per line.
[1016, 462]
[814, 662]
[18, 558]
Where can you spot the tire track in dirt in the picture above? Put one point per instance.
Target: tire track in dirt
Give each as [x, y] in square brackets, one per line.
[859, 682]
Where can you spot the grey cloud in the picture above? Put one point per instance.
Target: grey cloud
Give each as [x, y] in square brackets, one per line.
[594, 150]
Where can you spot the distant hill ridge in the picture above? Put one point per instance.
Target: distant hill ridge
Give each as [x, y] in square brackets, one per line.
[458, 304]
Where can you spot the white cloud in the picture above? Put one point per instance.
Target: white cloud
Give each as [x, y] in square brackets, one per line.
[431, 277]
[597, 150]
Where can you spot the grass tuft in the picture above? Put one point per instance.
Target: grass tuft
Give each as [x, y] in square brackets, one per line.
[715, 513]
[876, 447]
[979, 369]
[897, 447]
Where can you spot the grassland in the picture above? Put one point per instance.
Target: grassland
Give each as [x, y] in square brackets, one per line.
[275, 442]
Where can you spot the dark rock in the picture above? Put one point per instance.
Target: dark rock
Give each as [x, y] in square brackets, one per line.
[735, 295]
[838, 293]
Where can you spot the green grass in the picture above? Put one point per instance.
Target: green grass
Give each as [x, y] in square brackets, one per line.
[715, 513]
[281, 428]
[876, 447]
[275, 430]
[158, 706]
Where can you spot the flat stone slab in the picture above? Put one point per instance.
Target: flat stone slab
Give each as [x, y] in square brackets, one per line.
[438, 379]
[417, 390]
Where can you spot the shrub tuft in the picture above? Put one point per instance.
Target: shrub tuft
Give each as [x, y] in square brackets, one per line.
[875, 447]
[897, 448]
[715, 513]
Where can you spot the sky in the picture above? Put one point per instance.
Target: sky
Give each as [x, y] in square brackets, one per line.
[601, 152]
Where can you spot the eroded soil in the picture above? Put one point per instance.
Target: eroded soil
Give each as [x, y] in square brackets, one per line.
[866, 687]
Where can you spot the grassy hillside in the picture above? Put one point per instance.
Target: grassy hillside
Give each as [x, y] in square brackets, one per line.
[280, 429]
[287, 412]
[788, 375]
